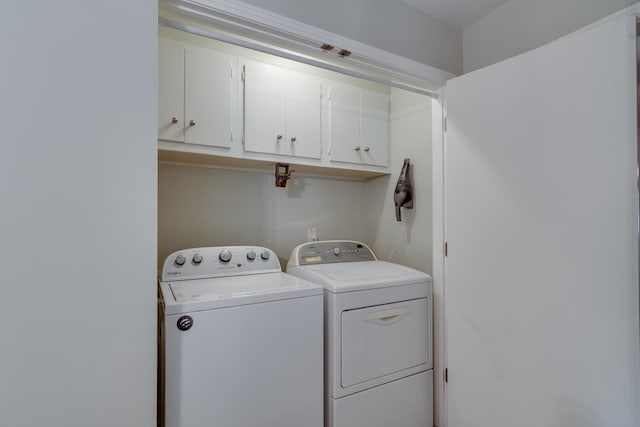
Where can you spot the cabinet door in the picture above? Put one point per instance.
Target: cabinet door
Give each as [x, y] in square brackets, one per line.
[303, 115]
[264, 108]
[208, 97]
[170, 90]
[359, 122]
[374, 128]
[344, 117]
[281, 111]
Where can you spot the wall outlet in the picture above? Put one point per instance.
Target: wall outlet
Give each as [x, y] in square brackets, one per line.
[312, 236]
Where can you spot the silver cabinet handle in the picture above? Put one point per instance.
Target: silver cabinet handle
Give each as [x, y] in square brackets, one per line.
[279, 136]
[357, 148]
[387, 317]
[366, 149]
[174, 120]
[192, 122]
[293, 139]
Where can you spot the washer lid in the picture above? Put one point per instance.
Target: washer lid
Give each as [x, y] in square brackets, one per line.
[354, 276]
[206, 294]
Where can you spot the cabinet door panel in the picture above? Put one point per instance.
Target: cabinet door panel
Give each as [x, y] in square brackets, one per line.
[344, 111]
[208, 97]
[374, 132]
[264, 108]
[170, 90]
[303, 115]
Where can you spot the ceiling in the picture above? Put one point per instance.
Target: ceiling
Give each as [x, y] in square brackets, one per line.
[458, 13]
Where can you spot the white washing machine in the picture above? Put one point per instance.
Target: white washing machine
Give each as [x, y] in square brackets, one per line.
[242, 341]
[378, 335]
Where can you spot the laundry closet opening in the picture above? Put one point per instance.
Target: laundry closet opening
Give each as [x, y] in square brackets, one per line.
[234, 201]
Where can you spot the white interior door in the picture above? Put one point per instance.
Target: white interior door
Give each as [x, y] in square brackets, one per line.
[541, 220]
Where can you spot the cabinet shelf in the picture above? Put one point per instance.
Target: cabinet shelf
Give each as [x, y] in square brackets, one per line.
[242, 163]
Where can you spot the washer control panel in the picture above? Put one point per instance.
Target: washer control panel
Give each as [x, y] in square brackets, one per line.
[219, 261]
[330, 251]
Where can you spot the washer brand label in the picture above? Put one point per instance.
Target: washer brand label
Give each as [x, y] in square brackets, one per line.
[185, 323]
[174, 273]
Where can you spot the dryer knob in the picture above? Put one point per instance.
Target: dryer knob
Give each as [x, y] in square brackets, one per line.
[225, 255]
[265, 255]
[251, 255]
[180, 260]
[197, 258]
[336, 251]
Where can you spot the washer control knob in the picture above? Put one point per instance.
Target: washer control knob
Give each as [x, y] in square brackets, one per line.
[251, 255]
[197, 258]
[265, 255]
[180, 260]
[336, 251]
[225, 255]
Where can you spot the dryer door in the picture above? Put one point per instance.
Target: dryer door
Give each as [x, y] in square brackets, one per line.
[384, 339]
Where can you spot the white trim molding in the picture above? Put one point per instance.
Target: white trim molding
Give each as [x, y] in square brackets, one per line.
[291, 56]
[261, 26]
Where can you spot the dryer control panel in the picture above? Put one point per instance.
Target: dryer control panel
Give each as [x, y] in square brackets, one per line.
[330, 251]
[219, 261]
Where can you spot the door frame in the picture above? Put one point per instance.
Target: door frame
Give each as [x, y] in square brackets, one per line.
[245, 21]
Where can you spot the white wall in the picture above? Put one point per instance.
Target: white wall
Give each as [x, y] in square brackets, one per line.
[394, 26]
[77, 213]
[521, 25]
[199, 206]
[408, 242]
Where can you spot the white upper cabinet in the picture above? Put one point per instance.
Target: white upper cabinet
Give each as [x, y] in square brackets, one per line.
[282, 111]
[170, 90]
[344, 116]
[209, 97]
[276, 110]
[374, 127]
[359, 123]
[197, 94]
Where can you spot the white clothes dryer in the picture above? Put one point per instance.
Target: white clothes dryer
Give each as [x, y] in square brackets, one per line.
[242, 341]
[378, 335]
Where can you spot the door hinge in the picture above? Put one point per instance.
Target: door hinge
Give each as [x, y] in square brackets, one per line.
[446, 248]
[243, 72]
[446, 375]
[444, 123]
